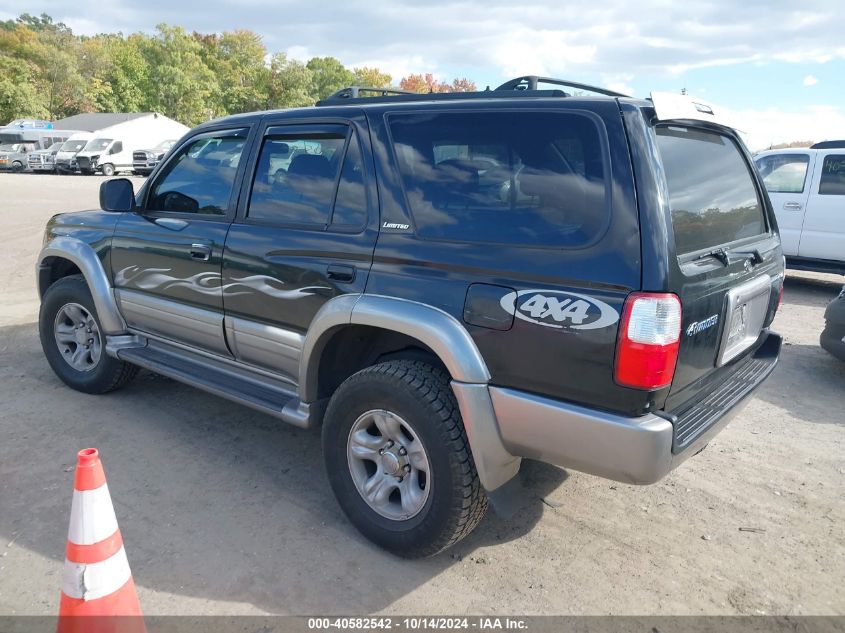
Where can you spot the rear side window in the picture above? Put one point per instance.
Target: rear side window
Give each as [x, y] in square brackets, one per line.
[523, 178]
[711, 189]
[833, 176]
[784, 173]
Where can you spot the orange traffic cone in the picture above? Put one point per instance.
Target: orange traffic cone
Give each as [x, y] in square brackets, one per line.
[96, 580]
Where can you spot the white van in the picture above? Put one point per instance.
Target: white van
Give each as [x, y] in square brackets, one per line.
[807, 189]
[66, 156]
[110, 151]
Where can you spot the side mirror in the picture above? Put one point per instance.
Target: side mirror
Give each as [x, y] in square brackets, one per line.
[117, 195]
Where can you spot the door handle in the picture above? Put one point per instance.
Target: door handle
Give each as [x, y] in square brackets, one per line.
[201, 252]
[336, 272]
[792, 206]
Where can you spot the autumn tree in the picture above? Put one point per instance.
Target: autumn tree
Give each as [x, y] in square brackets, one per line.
[328, 75]
[371, 77]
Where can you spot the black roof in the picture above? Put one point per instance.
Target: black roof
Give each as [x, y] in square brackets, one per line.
[829, 145]
[93, 121]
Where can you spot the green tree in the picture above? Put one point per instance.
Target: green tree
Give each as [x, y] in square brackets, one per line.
[328, 76]
[237, 60]
[289, 83]
[181, 84]
[372, 78]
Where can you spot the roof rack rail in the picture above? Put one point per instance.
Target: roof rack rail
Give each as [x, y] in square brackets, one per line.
[829, 145]
[354, 92]
[530, 82]
[437, 96]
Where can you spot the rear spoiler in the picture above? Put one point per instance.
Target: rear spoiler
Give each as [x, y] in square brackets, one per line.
[674, 107]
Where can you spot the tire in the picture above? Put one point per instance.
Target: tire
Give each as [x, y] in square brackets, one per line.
[108, 170]
[95, 372]
[17, 166]
[446, 502]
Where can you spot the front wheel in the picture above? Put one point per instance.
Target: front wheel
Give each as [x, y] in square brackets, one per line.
[17, 166]
[108, 170]
[73, 341]
[398, 460]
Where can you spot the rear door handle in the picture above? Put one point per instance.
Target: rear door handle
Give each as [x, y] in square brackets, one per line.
[200, 252]
[335, 272]
[792, 206]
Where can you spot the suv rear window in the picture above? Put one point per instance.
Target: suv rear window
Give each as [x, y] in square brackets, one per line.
[711, 190]
[525, 178]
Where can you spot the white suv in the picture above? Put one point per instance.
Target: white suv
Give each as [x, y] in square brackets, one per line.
[807, 189]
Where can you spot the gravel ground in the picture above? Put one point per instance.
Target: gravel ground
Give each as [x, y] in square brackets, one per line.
[225, 511]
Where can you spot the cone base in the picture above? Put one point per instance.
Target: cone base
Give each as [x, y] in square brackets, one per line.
[119, 612]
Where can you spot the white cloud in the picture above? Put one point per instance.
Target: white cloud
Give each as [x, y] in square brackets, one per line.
[771, 126]
[809, 80]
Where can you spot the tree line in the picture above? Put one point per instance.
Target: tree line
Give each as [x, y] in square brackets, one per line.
[47, 72]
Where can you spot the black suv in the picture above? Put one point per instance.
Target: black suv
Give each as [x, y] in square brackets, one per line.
[445, 283]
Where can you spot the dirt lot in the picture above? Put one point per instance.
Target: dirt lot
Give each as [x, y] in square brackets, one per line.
[224, 511]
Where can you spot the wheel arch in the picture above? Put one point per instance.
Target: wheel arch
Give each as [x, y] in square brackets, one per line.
[63, 256]
[434, 331]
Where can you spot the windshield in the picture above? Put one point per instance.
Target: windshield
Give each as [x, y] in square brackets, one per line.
[10, 147]
[98, 144]
[55, 147]
[73, 146]
[164, 145]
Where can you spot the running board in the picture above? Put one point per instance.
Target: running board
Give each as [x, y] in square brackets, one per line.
[222, 378]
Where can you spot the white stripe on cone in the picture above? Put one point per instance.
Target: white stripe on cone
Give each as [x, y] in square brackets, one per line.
[91, 516]
[95, 580]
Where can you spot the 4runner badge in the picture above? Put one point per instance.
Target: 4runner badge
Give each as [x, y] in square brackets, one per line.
[699, 326]
[559, 309]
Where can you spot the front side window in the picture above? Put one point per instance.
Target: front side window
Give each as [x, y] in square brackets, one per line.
[711, 189]
[833, 176]
[523, 178]
[296, 180]
[200, 178]
[784, 173]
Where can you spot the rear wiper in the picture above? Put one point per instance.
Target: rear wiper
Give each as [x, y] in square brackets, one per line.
[728, 257]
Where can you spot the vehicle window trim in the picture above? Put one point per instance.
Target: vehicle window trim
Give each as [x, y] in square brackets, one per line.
[607, 165]
[753, 173]
[175, 151]
[272, 128]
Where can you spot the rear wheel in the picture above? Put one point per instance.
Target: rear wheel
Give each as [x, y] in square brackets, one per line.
[398, 460]
[73, 342]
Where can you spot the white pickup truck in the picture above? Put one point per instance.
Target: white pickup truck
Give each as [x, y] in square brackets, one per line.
[807, 189]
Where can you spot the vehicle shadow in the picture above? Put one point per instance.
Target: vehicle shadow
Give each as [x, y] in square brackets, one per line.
[214, 500]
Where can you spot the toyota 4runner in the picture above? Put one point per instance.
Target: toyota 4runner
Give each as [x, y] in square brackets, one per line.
[445, 284]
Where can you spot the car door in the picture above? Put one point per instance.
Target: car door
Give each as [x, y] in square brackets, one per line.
[305, 233]
[787, 178]
[166, 258]
[823, 236]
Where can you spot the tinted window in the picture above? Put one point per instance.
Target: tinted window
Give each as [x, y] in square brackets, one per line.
[784, 173]
[711, 189]
[200, 178]
[532, 178]
[296, 177]
[350, 207]
[833, 175]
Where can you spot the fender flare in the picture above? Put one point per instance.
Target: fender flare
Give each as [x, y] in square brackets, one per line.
[448, 339]
[84, 257]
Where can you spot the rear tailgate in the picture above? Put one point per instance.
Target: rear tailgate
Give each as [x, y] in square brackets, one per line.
[729, 261]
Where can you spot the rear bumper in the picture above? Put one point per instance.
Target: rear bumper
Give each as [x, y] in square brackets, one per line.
[832, 339]
[638, 450]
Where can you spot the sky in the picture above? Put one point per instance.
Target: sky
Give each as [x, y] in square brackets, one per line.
[775, 68]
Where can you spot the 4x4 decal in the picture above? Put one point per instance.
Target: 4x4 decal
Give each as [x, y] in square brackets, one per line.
[559, 309]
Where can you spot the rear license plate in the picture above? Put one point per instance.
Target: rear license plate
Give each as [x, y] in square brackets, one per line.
[746, 310]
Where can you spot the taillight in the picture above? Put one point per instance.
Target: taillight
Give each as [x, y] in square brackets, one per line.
[649, 336]
[780, 295]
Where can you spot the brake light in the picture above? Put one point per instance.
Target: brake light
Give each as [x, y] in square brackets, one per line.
[649, 337]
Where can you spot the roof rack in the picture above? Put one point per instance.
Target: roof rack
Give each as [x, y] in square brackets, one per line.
[520, 87]
[829, 145]
[530, 82]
